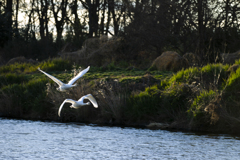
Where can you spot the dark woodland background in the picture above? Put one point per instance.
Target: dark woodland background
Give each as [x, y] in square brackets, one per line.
[204, 27]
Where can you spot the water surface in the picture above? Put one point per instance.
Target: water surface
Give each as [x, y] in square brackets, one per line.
[21, 139]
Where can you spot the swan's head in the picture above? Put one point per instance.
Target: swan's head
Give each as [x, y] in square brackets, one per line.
[74, 85]
[60, 89]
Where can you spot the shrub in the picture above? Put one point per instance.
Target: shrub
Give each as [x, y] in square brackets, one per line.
[211, 75]
[233, 81]
[153, 102]
[34, 96]
[11, 78]
[177, 96]
[142, 105]
[27, 98]
[199, 103]
[18, 68]
[56, 64]
[185, 75]
[112, 97]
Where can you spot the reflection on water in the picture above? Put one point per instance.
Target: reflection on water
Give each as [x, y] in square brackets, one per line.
[20, 139]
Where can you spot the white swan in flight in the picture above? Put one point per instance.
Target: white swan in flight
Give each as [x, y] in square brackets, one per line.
[62, 86]
[79, 103]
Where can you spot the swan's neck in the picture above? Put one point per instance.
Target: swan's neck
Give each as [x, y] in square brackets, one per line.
[84, 104]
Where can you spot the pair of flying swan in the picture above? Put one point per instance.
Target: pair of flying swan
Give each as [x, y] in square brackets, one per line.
[64, 87]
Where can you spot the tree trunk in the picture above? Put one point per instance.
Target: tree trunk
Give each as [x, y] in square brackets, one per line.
[108, 20]
[16, 18]
[101, 31]
[41, 19]
[9, 13]
[59, 23]
[200, 28]
[77, 26]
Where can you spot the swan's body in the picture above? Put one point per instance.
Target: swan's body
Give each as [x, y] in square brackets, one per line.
[62, 86]
[79, 103]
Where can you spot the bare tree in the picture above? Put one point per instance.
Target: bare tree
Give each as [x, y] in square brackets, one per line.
[29, 30]
[102, 31]
[78, 27]
[8, 15]
[117, 10]
[42, 9]
[58, 7]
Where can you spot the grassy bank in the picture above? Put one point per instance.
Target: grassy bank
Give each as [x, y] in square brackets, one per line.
[200, 99]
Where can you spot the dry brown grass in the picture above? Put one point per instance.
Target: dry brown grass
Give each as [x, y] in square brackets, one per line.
[95, 51]
[111, 99]
[170, 61]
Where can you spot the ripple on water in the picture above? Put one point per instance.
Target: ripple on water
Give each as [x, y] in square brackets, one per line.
[20, 139]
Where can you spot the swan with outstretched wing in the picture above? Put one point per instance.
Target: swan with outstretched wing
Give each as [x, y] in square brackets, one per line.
[62, 86]
[79, 103]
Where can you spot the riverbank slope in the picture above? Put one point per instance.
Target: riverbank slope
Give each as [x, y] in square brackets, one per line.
[198, 98]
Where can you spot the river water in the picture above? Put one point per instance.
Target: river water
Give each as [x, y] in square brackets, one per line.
[21, 139]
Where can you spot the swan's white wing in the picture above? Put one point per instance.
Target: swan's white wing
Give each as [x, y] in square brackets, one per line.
[52, 77]
[65, 101]
[91, 99]
[78, 76]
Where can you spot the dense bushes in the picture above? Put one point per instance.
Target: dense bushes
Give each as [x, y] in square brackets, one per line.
[210, 74]
[156, 103]
[203, 98]
[145, 104]
[24, 95]
[24, 99]
[197, 111]
[56, 64]
[11, 78]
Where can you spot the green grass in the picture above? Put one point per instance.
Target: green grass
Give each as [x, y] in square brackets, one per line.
[234, 81]
[211, 73]
[26, 95]
[56, 64]
[144, 104]
[11, 78]
[200, 102]
[18, 68]
[232, 87]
